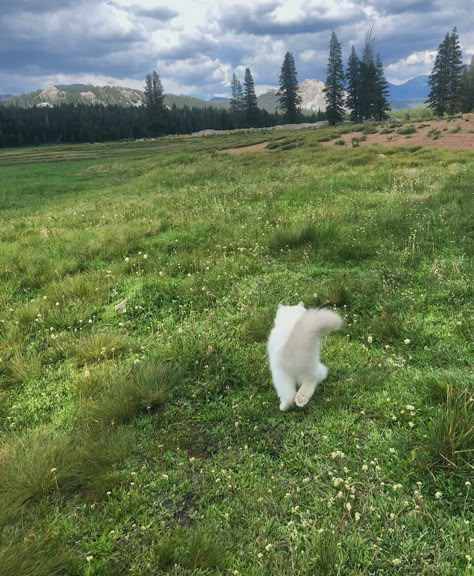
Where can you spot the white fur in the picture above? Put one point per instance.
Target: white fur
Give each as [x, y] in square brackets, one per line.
[293, 350]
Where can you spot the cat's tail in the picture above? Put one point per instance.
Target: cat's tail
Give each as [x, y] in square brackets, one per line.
[300, 347]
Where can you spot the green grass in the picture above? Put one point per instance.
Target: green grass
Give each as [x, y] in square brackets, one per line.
[146, 438]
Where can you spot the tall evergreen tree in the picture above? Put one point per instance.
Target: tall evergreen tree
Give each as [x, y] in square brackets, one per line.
[446, 77]
[353, 86]
[289, 98]
[154, 102]
[250, 99]
[367, 87]
[236, 100]
[467, 88]
[368, 81]
[455, 73]
[381, 104]
[334, 89]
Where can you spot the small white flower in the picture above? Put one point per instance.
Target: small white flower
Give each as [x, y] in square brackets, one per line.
[369, 339]
[411, 424]
[438, 495]
[165, 476]
[392, 450]
[397, 486]
[337, 454]
[467, 483]
[357, 516]
[348, 506]
[396, 561]
[89, 558]
[407, 341]
[268, 547]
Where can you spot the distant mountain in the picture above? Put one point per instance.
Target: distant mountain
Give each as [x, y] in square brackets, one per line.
[190, 101]
[77, 94]
[108, 95]
[311, 93]
[5, 96]
[411, 93]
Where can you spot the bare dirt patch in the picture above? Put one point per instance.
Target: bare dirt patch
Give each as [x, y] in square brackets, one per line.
[455, 134]
[262, 147]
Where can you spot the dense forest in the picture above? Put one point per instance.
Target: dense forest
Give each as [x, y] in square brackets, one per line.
[69, 123]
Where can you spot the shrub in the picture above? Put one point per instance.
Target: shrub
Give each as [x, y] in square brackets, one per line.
[406, 130]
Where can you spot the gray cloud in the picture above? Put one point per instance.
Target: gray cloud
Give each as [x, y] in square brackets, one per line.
[161, 13]
[263, 20]
[195, 46]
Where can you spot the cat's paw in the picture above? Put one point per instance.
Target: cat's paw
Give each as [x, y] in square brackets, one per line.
[286, 405]
[301, 400]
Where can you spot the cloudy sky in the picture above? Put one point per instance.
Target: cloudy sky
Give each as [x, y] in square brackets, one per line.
[195, 45]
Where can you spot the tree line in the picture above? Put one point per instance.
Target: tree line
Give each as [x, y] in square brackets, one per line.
[76, 123]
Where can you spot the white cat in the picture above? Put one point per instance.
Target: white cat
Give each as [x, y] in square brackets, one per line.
[293, 350]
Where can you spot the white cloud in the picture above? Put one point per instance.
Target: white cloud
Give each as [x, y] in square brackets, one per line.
[415, 64]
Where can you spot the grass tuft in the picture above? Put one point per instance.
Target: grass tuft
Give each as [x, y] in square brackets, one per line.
[452, 439]
[143, 391]
[293, 237]
[34, 556]
[18, 367]
[33, 465]
[196, 551]
[93, 348]
[259, 325]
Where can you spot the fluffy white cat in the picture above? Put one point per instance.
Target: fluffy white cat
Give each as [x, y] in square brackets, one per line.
[293, 350]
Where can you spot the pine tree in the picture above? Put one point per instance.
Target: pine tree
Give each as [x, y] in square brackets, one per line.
[154, 102]
[455, 73]
[250, 99]
[467, 88]
[334, 89]
[236, 101]
[353, 86]
[446, 77]
[289, 98]
[381, 105]
[368, 81]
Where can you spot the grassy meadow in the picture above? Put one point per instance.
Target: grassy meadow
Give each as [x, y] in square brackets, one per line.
[139, 430]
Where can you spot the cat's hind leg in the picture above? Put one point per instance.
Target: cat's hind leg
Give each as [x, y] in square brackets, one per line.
[309, 385]
[305, 392]
[286, 390]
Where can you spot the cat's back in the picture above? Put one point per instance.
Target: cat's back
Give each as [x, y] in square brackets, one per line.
[282, 329]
